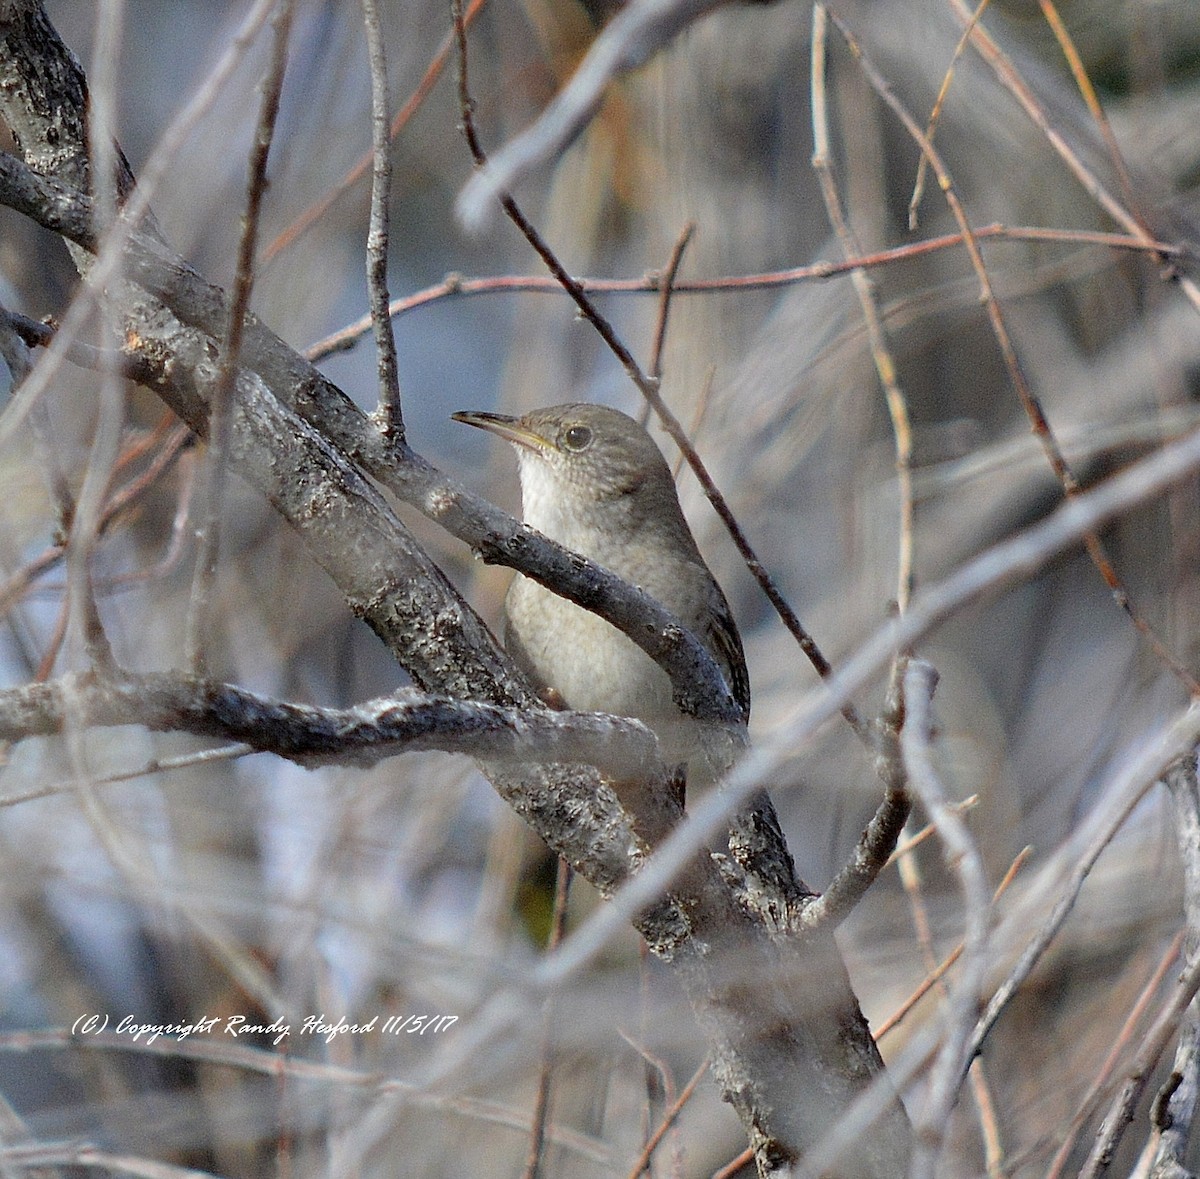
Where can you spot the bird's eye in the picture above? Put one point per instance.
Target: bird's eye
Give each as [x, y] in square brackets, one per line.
[577, 437]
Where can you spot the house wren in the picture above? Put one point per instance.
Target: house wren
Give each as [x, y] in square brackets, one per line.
[593, 480]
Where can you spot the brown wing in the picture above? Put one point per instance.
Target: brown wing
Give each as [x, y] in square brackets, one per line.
[723, 640]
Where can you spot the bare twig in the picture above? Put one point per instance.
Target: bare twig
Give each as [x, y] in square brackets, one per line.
[1125, 791]
[118, 501]
[914, 203]
[885, 365]
[456, 286]
[391, 417]
[666, 288]
[635, 34]
[235, 1054]
[668, 1120]
[962, 854]
[877, 842]
[107, 190]
[932, 978]
[1088, 93]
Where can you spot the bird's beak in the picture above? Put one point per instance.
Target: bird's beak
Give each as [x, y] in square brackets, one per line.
[506, 427]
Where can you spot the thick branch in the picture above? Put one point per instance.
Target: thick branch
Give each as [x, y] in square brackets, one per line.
[407, 721]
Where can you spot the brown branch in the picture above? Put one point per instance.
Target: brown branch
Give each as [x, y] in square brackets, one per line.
[668, 1120]
[666, 288]
[456, 286]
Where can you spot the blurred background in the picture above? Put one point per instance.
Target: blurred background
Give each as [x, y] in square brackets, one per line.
[147, 877]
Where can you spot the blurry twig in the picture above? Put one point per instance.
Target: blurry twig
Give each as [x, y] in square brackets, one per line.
[135, 215]
[1029, 400]
[638, 31]
[158, 765]
[107, 181]
[1088, 92]
[878, 839]
[935, 114]
[1129, 785]
[172, 445]
[234, 1054]
[1009, 77]
[915, 840]
[964, 859]
[390, 415]
[881, 353]
[220, 405]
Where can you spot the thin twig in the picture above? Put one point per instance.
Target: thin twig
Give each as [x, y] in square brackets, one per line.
[83, 616]
[455, 285]
[931, 979]
[668, 1120]
[936, 113]
[1150, 1048]
[158, 765]
[118, 501]
[1130, 785]
[885, 365]
[735, 1166]
[877, 841]
[917, 838]
[135, 215]
[1088, 93]
[666, 288]
[221, 405]
[390, 415]
[964, 859]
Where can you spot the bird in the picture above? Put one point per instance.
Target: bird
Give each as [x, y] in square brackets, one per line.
[594, 480]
